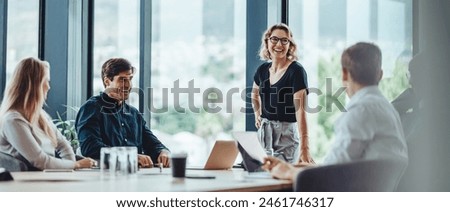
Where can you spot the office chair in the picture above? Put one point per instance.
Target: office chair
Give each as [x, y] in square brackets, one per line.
[358, 176]
[12, 164]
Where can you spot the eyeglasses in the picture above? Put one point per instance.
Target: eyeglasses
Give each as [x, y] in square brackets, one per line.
[274, 40]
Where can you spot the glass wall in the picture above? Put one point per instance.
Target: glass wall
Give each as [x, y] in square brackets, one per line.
[198, 73]
[23, 32]
[323, 29]
[116, 34]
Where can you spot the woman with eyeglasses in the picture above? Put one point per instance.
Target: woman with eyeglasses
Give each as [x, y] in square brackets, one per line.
[279, 97]
[26, 130]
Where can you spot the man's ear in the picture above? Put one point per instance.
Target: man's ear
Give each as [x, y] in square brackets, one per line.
[380, 75]
[107, 81]
[345, 74]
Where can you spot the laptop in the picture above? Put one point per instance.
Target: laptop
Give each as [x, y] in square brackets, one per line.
[222, 156]
[251, 150]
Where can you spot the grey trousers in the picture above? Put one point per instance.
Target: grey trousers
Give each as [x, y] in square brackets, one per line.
[282, 137]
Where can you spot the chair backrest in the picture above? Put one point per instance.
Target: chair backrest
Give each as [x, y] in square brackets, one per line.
[12, 164]
[358, 176]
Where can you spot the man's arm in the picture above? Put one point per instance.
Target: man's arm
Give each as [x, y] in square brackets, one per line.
[88, 125]
[352, 133]
[151, 144]
[283, 170]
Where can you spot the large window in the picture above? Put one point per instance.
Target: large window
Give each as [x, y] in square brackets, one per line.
[198, 73]
[324, 28]
[23, 32]
[198, 53]
[116, 34]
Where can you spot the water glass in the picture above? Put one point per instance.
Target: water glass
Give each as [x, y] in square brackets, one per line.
[118, 161]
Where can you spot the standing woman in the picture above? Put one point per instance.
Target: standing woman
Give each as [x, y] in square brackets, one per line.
[26, 130]
[279, 96]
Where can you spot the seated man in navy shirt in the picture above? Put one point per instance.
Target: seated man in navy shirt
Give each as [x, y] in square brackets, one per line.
[107, 120]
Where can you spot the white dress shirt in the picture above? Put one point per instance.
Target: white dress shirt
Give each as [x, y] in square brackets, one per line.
[370, 129]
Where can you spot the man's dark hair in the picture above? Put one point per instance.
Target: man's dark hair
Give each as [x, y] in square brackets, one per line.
[114, 67]
[363, 61]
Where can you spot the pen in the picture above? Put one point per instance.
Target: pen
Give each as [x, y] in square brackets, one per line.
[160, 167]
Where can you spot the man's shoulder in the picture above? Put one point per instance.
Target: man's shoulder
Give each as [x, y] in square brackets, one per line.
[93, 100]
[372, 107]
[131, 109]
[370, 97]
[371, 104]
[92, 103]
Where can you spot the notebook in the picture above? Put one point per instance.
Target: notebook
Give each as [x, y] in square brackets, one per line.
[222, 156]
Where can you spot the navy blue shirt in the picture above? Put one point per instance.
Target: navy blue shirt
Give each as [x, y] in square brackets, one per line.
[102, 122]
[277, 100]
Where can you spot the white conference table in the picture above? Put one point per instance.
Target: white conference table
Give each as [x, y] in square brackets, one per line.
[146, 180]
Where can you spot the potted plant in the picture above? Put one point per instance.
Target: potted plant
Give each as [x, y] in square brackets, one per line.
[67, 128]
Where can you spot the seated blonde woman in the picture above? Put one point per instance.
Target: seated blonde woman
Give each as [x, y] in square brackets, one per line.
[26, 130]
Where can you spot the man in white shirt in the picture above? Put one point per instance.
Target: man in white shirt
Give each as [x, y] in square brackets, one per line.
[371, 127]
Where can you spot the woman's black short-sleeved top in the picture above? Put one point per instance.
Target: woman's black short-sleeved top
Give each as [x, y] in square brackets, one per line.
[277, 100]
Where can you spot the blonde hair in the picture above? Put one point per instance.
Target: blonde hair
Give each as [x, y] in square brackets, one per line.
[264, 53]
[25, 94]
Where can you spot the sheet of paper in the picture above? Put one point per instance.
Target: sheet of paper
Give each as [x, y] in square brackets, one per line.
[250, 142]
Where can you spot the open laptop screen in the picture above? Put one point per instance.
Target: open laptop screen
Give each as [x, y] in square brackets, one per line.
[222, 156]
